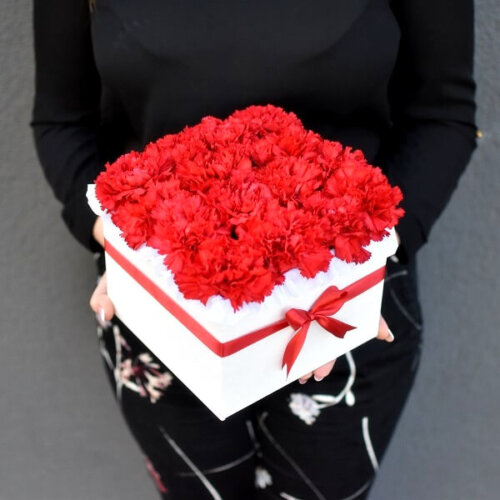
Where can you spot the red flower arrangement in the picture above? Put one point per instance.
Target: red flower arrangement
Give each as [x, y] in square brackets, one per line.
[234, 204]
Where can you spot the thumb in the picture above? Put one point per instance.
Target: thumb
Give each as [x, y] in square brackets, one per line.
[100, 303]
[384, 333]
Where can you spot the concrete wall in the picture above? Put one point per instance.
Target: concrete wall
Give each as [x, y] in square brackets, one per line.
[61, 434]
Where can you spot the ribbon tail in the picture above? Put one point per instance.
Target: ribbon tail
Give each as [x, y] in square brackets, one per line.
[294, 347]
[334, 326]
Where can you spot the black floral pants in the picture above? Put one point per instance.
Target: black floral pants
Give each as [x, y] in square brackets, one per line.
[317, 441]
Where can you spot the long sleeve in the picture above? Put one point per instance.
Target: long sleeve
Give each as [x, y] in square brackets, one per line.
[65, 112]
[432, 103]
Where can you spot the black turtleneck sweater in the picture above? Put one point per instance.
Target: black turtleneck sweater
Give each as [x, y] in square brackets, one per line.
[392, 78]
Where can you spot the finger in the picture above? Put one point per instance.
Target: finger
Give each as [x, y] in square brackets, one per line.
[305, 378]
[98, 231]
[323, 371]
[384, 333]
[100, 303]
[102, 285]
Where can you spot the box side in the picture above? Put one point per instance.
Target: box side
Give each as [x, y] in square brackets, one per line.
[186, 356]
[253, 373]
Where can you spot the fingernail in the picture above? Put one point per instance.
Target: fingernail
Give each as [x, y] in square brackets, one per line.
[391, 336]
[318, 379]
[101, 319]
[302, 381]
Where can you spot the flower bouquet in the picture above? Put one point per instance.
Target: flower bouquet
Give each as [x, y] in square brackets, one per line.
[246, 252]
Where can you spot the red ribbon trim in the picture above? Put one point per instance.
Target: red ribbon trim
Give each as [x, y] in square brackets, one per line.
[332, 298]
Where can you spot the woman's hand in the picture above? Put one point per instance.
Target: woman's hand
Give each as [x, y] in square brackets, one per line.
[320, 373]
[100, 303]
[98, 231]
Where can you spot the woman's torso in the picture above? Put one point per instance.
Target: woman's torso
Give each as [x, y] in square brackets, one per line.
[166, 64]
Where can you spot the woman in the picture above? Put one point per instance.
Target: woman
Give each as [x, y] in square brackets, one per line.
[392, 78]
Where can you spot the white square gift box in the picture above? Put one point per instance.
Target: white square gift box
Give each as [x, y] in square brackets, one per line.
[231, 359]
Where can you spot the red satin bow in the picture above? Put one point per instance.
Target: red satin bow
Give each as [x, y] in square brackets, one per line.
[328, 303]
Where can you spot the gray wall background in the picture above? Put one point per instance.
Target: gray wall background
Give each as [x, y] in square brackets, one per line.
[61, 434]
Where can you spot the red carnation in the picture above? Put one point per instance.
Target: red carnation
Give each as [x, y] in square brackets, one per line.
[234, 204]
